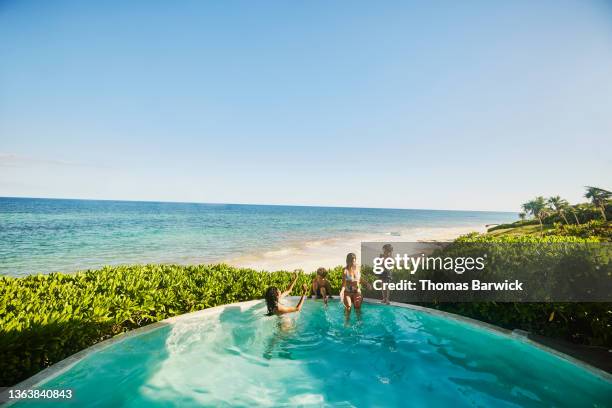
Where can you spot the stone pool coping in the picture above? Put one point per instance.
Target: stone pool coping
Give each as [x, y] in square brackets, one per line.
[58, 368]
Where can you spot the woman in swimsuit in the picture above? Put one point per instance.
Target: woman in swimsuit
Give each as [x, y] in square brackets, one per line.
[274, 296]
[351, 285]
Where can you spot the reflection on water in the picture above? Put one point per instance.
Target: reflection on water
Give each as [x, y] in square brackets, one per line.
[285, 328]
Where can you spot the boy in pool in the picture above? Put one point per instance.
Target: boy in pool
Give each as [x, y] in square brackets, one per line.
[321, 287]
[274, 296]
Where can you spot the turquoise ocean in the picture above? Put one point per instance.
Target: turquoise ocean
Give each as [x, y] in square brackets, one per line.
[51, 235]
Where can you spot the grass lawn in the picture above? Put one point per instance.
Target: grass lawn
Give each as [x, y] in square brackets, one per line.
[524, 230]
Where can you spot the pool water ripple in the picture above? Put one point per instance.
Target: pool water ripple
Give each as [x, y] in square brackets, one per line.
[389, 356]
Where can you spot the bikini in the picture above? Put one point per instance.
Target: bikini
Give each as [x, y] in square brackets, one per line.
[352, 286]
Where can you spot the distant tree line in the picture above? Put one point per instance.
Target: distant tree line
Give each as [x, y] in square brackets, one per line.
[549, 210]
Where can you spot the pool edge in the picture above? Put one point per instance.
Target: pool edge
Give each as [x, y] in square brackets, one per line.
[64, 365]
[514, 335]
[60, 367]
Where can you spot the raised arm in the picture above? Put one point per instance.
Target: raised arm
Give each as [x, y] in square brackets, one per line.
[290, 288]
[290, 309]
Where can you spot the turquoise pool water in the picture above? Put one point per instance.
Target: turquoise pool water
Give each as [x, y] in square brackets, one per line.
[392, 356]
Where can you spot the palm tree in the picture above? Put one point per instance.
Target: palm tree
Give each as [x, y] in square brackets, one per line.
[599, 197]
[573, 210]
[537, 208]
[582, 211]
[522, 216]
[559, 205]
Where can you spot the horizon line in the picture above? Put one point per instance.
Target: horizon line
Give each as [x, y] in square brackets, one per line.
[257, 204]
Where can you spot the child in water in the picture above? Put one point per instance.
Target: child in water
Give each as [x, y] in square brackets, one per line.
[274, 296]
[321, 287]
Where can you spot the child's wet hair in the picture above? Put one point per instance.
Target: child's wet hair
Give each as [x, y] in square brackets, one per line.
[322, 272]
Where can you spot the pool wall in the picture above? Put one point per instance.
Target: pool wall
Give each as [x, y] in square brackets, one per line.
[64, 365]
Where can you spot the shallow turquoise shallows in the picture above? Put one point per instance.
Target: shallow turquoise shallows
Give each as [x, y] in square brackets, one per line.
[47, 235]
[391, 356]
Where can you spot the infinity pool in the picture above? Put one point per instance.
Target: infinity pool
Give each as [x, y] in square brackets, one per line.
[391, 356]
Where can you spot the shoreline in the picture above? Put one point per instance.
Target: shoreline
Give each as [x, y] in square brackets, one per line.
[47, 236]
[331, 252]
[306, 255]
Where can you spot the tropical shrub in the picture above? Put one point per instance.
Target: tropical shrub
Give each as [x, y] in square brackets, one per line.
[46, 318]
[594, 228]
[513, 225]
[582, 323]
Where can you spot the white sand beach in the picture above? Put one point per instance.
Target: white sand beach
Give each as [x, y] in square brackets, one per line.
[329, 253]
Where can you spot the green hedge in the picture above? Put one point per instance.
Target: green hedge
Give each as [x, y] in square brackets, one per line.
[595, 228]
[46, 318]
[516, 224]
[582, 323]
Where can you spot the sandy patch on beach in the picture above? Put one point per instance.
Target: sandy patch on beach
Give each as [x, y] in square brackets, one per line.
[329, 253]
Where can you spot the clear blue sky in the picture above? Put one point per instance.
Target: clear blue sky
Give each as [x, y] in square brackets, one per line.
[450, 105]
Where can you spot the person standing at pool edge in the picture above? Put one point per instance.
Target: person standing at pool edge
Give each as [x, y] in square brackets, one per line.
[274, 296]
[386, 275]
[351, 285]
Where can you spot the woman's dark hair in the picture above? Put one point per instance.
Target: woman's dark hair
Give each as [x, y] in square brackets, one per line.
[349, 259]
[272, 299]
